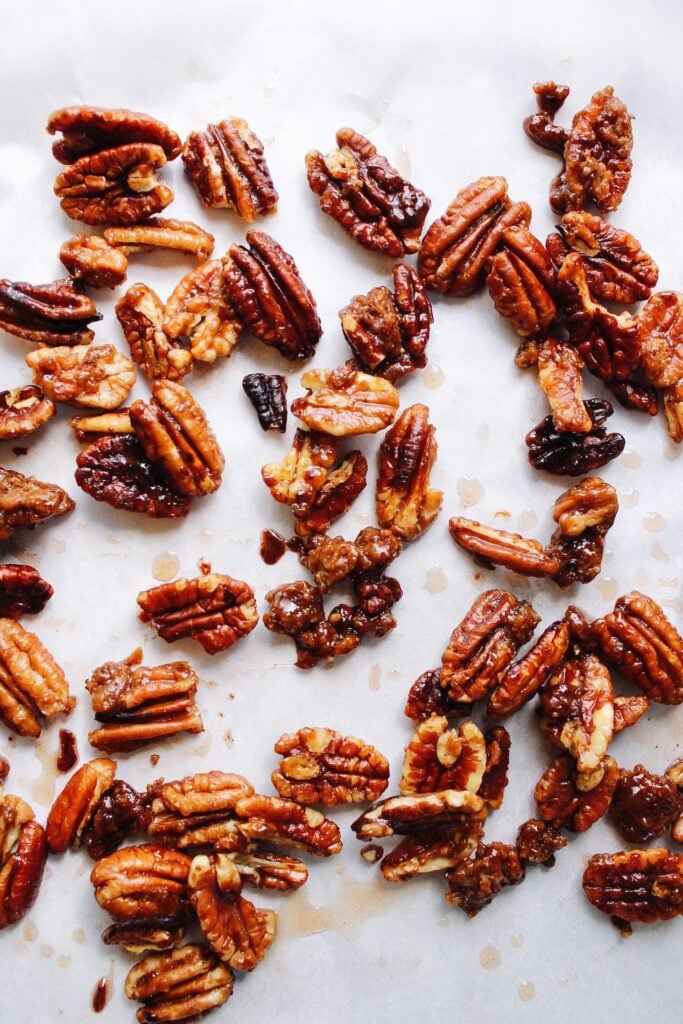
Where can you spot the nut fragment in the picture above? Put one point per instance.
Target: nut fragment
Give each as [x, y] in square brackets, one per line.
[181, 984]
[521, 282]
[627, 711]
[640, 885]
[644, 805]
[573, 454]
[406, 815]
[660, 330]
[491, 547]
[268, 394]
[92, 260]
[199, 310]
[23, 591]
[31, 682]
[72, 810]
[97, 376]
[427, 698]
[577, 709]
[584, 514]
[320, 766]
[475, 882]
[405, 503]
[495, 780]
[142, 882]
[673, 411]
[563, 804]
[25, 502]
[541, 127]
[537, 842]
[87, 129]
[441, 758]
[559, 374]
[345, 401]
[23, 852]
[47, 314]
[525, 677]
[92, 428]
[140, 313]
[272, 819]
[161, 233]
[270, 870]
[23, 410]
[120, 811]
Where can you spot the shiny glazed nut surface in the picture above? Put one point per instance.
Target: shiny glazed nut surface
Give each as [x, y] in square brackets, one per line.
[563, 804]
[660, 330]
[537, 842]
[406, 815]
[26, 502]
[570, 453]
[525, 677]
[74, 807]
[431, 850]
[491, 547]
[23, 410]
[475, 882]
[559, 374]
[645, 805]
[673, 411]
[405, 503]
[198, 810]
[141, 882]
[200, 311]
[23, 852]
[89, 376]
[541, 127]
[23, 591]
[495, 779]
[31, 682]
[92, 260]
[140, 313]
[440, 758]
[521, 282]
[638, 885]
[281, 822]
[179, 985]
[47, 314]
[322, 766]
[345, 401]
[161, 233]
[88, 129]
[267, 392]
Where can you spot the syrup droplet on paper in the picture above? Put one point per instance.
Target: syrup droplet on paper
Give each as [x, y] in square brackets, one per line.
[609, 589]
[78, 936]
[631, 459]
[436, 580]
[630, 499]
[374, 677]
[433, 377]
[30, 931]
[165, 566]
[658, 552]
[517, 941]
[526, 991]
[490, 958]
[470, 491]
[526, 519]
[653, 522]
[354, 903]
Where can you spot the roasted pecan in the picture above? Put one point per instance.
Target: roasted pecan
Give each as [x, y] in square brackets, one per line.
[298, 479]
[25, 502]
[427, 698]
[270, 870]
[74, 807]
[407, 815]
[23, 410]
[67, 755]
[540, 127]
[441, 758]
[141, 312]
[199, 310]
[525, 678]
[633, 394]
[227, 166]
[521, 282]
[92, 428]
[537, 842]
[31, 682]
[584, 514]
[345, 401]
[92, 260]
[559, 374]
[4, 769]
[265, 288]
[198, 810]
[120, 811]
[180, 984]
[139, 936]
[47, 314]
[405, 503]
[617, 268]
[272, 819]
[627, 711]
[495, 780]
[160, 233]
[660, 330]
[97, 376]
[572, 454]
[644, 805]
[484, 644]
[644, 646]
[431, 850]
[491, 547]
[23, 591]
[673, 411]
[332, 559]
[320, 766]
[90, 129]
[268, 394]
[475, 882]
[388, 334]
[563, 804]
[367, 196]
[142, 882]
[455, 255]
[177, 439]
[23, 852]
[296, 610]
[640, 885]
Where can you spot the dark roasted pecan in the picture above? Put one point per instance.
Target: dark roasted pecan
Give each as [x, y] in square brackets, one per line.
[455, 255]
[584, 514]
[537, 842]
[633, 394]
[525, 678]
[23, 852]
[23, 591]
[4, 769]
[141, 882]
[25, 502]
[67, 756]
[74, 807]
[427, 698]
[199, 310]
[320, 766]
[559, 374]
[560, 801]
[490, 547]
[120, 811]
[272, 547]
[441, 758]
[418, 812]
[540, 127]
[265, 288]
[89, 376]
[404, 501]
[272, 819]
[31, 682]
[367, 197]
[644, 805]
[521, 282]
[660, 329]
[92, 260]
[146, 934]
[429, 850]
[571, 454]
[267, 392]
[90, 129]
[346, 401]
[160, 233]
[141, 312]
[198, 810]
[495, 780]
[47, 314]
[673, 411]
[23, 410]
[227, 166]
[178, 985]
[641, 885]
[475, 882]
[627, 711]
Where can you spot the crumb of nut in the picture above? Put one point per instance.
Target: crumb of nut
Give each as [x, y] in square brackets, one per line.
[68, 751]
[273, 546]
[372, 852]
[405, 502]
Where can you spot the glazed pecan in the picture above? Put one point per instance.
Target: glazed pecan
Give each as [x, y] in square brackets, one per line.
[563, 804]
[74, 807]
[673, 411]
[142, 882]
[633, 394]
[87, 129]
[495, 779]
[177, 439]
[4, 769]
[404, 502]
[147, 934]
[269, 870]
[525, 677]
[441, 758]
[31, 682]
[584, 514]
[104, 424]
[639, 640]
[475, 882]
[644, 805]
[23, 410]
[25, 502]
[93, 261]
[660, 330]
[215, 610]
[266, 290]
[200, 311]
[490, 547]
[178, 985]
[120, 811]
[521, 282]
[617, 268]
[484, 644]
[267, 392]
[89, 376]
[388, 334]
[281, 822]
[227, 166]
[47, 314]
[407, 815]
[367, 196]
[455, 255]
[140, 313]
[23, 591]
[320, 766]
[198, 810]
[640, 885]
[427, 698]
[572, 454]
[559, 374]
[537, 842]
[346, 401]
[161, 233]
[23, 852]
[431, 850]
[238, 933]
[627, 711]
[332, 559]
[541, 127]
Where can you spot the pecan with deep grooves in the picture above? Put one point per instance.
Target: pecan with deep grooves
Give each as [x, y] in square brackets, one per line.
[525, 677]
[431, 849]
[23, 591]
[319, 766]
[267, 392]
[417, 812]
[405, 503]
[141, 312]
[572, 454]
[161, 233]
[584, 514]
[198, 810]
[490, 547]
[562, 803]
[559, 374]
[639, 885]
[633, 394]
[89, 376]
[47, 314]
[269, 870]
[23, 852]
[227, 167]
[26, 501]
[146, 934]
[145, 881]
[541, 127]
[521, 282]
[660, 329]
[475, 882]
[23, 410]
[537, 842]
[31, 682]
[200, 311]
[180, 984]
[74, 807]
[345, 401]
[441, 758]
[281, 822]
[87, 129]
[92, 260]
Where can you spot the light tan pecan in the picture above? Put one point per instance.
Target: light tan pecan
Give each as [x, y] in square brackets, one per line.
[71, 812]
[140, 313]
[441, 758]
[559, 374]
[673, 411]
[23, 852]
[490, 547]
[431, 850]
[26, 502]
[525, 678]
[142, 882]
[281, 822]
[269, 870]
[406, 815]
[89, 376]
[537, 842]
[161, 233]
[405, 503]
[200, 310]
[345, 402]
[93, 261]
[660, 330]
[636, 885]
[320, 766]
[198, 810]
[47, 314]
[521, 282]
[87, 129]
[627, 711]
[561, 802]
[473, 883]
[178, 985]
[23, 591]
[227, 166]
[495, 780]
[107, 424]
[23, 410]
[31, 682]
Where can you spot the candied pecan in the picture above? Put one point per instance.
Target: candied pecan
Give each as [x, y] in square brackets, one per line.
[143, 882]
[31, 682]
[87, 129]
[640, 885]
[281, 822]
[332, 559]
[475, 882]
[297, 480]
[267, 392]
[76, 804]
[431, 850]
[67, 756]
[114, 186]
[320, 766]
[92, 260]
[627, 711]
[140, 313]
[346, 401]
[120, 811]
[23, 591]
[339, 489]
[272, 547]
[296, 610]
[525, 678]
[673, 411]
[200, 311]
[23, 410]
[177, 439]
[455, 255]
[632, 394]
[367, 196]
[227, 167]
[161, 233]
[270, 870]
[660, 330]
[427, 698]
[4, 768]
[48, 314]
[179, 984]
[97, 376]
[540, 127]
[537, 842]
[265, 288]
[644, 805]
[521, 282]
[441, 758]
[617, 268]
[563, 804]
[25, 502]
[388, 334]
[572, 454]
[148, 933]
[23, 852]
[407, 815]
[584, 514]
[405, 503]
[197, 810]
[491, 547]
[559, 374]
[91, 428]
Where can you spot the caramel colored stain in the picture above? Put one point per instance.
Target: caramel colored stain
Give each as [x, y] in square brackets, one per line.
[527, 519]
[165, 566]
[490, 958]
[631, 459]
[629, 499]
[433, 377]
[653, 522]
[79, 936]
[517, 941]
[354, 904]
[436, 580]
[470, 491]
[609, 589]
[30, 932]
[526, 991]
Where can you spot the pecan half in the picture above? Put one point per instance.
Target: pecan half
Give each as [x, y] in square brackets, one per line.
[644, 805]
[161, 233]
[198, 810]
[521, 282]
[320, 766]
[93, 261]
[455, 255]
[406, 815]
[267, 392]
[525, 678]
[584, 514]
[633, 394]
[441, 758]
[537, 842]
[31, 682]
[491, 547]
[47, 314]
[147, 934]
[559, 374]
[367, 196]
[431, 850]
[23, 591]
[142, 882]
[23, 852]
[475, 882]
[404, 501]
[427, 698]
[541, 127]
[23, 410]
[640, 885]
[199, 310]
[281, 822]
[180, 984]
[572, 454]
[97, 376]
[660, 330]
[177, 439]
[227, 167]
[673, 411]
[87, 129]
[345, 402]
[140, 313]
[270, 870]
[26, 502]
[215, 610]
[264, 285]
[495, 780]
[563, 804]
[74, 807]
[116, 470]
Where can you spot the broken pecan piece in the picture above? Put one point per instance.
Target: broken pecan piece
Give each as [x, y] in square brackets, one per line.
[345, 401]
[115, 469]
[281, 822]
[87, 129]
[431, 850]
[199, 310]
[89, 376]
[537, 842]
[140, 313]
[640, 885]
[521, 282]
[270, 870]
[339, 489]
[572, 454]
[23, 591]
[559, 374]
[320, 766]
[142, 882]
[105, 424]
[23, 852]
[627, 711]
[147, 934]
[227, 167]
[673, 411]
[563, 804]
[179, 984]
[406, 815]
[495, 779]
[47, 314]
[584, 514]
[441, 758]
[427, 698]
[267, 392]
[540, 127]
[92, 260]
[490, 547]
[161, 233]
[23, 410]
[405, 503]
[525, 678]
[120, 811]
[644, 805]
[198, 810]
[660, 330]
[26, 502]
[475, 882]
[31, 682]
[74, 807]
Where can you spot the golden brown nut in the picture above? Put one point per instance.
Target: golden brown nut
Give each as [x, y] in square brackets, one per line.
[140, 936]
[559, 374]
[97, 376]
[89, 129]
[23, 852]
[645, 805]
[161, 233]
[541, 127]
[31, 682]
[23, 410]
[92, 260]
[521, 282]
[525, 678]
[660, 330]
[47, 314]
[199, 309]
[227, 167]
[141, 882]
[178, 985]
[72, 810]
[320, 766]
[407, 815]
[269, 870]
[584, 513]
[345, 401]
[561, 802]
[25, 502]
[107, 424]
[198, 810]
[491, 547]
[627, 711]
[282, 822]
[441, 758]
[405, 503]
[638, 885]
[140, 313]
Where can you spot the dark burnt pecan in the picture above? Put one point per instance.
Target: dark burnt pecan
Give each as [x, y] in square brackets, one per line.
[673, 411]
[584, 514]
[197, 811]
[87, 129]
[265, 288]
[267, 392]
[455, 255]
[88, 376]
[74, 807]
[559, 374]
[23, 591]
[541, 127]
[475, 882]
[537, 842]
[564, 805]
[419, 812]
[367, 196]
[644, 805]
[404, 502]
[320, 766]
[435, 849]
[120, 811]
[142, 882]
[180, 984]
[660, 329]
[141, 312]
[640, 885]
[23, 852]
[495, 780]
[521, 282]
[23, 410]
[280, 822]
[441, 758]
[617, 268]
[227, 167]
[572, 454]
[427, 698]
[345, 401]
[200, 311]
[26, 502]
[490, 547]
[161, 233]
[525, 678]
[47, 314]
[93, 261]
